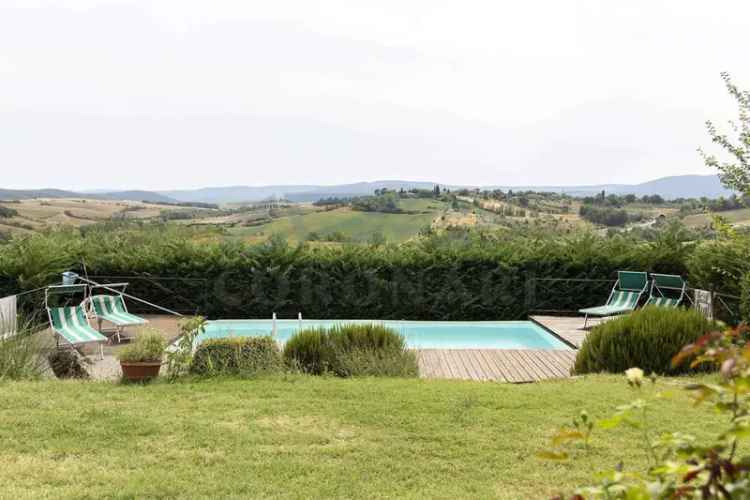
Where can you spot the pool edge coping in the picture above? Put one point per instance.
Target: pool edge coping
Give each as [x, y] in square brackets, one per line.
[554, 333]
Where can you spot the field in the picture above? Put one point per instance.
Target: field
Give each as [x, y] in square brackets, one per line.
[298, 221]
[306, 437]
[740, 217]
[38, 214]
[355, 225]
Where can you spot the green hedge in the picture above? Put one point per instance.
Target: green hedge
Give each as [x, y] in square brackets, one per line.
[647, 339]
[476, 278]
[745, 297]
[237, 356]
[351, 350]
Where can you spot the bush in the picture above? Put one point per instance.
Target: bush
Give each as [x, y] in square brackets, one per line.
[237, 356]
[21, 356]
[6, 213]
[647, 338]
[745, 297]
[148, 347]
[351, 350]
[308, 350]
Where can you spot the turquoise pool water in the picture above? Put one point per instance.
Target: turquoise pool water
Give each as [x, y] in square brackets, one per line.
[418, 334]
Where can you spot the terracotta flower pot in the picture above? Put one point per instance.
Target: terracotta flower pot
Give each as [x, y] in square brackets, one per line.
[140, 371]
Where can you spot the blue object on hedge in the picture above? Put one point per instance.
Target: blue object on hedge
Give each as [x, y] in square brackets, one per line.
[667, 290]
[623, 298]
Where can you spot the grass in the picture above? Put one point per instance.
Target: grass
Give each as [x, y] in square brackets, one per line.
[311, 437]
[356, 225]
[739, 217]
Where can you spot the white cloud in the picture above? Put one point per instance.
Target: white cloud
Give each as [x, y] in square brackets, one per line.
[185, 93]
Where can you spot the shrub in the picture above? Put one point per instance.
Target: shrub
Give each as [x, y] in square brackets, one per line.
[6, 213]
[745, 297]
[148, 347]
[237, 356]
[21, 356]
[647, 338]
[352, 350]
[308, 350]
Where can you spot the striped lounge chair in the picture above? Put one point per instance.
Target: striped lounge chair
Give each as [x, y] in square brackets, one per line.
[71, 323]
[623, 298]
[667, 290]
[112, 308]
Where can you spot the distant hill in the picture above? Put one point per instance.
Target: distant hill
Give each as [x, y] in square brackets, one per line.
[681, 186]
[25, 194]
[238, 194]
[677, 186]
[149, 196]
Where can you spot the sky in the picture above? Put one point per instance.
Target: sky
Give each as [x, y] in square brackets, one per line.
[180, 94]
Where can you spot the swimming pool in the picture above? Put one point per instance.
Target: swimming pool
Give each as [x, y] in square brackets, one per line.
[418, 334]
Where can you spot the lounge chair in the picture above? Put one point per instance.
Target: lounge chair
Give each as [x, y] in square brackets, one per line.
[664, 287]
[72, 325]
[112, 308]
[623, 298]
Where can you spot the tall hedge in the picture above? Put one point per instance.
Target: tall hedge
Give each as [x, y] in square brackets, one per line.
[477, 279]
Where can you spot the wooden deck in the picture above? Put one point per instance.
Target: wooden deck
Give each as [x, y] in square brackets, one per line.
[500, 365]
[568, 328]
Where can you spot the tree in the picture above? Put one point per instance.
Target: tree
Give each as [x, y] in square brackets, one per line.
[734, 172]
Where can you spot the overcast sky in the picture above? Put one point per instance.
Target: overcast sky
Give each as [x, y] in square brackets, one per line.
[178, 94]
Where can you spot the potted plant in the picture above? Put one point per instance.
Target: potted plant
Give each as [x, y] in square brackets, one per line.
[142, 359]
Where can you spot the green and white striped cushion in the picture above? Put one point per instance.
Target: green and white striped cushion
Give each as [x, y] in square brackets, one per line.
[623, 299]
[620, 302]
[71, 323]
[663, 302]
[113, 309]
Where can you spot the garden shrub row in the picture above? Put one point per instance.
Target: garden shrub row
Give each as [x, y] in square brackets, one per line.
[237, 356]
[648, 338]
[351, 350]
[477, 278]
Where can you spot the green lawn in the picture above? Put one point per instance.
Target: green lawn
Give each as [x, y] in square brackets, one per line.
[355, 225]
[306, 437]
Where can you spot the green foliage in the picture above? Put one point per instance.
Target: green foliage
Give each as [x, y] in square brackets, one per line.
[148, 346]
[720, 264]
[308, 350]
[745, 297]
[6, 212]
[22, 356]
[36, 260]
[678, 466]
[647, 338]
[461, 275]
[607, 216]
[734, 172]
[351, 350]
[180, 358]
[237, 356]
[386, 203]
